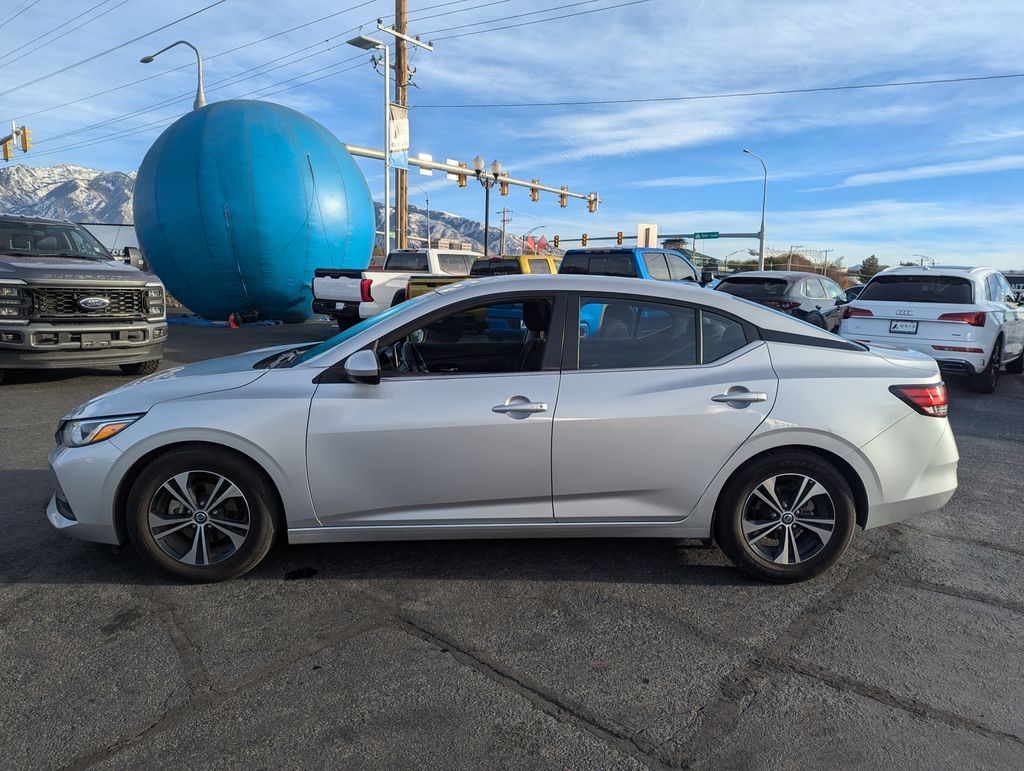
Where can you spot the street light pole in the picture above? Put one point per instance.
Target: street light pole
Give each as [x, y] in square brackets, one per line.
[764, 204]
[487, 181]
[371, 44]
[427, 197]
[200, 100]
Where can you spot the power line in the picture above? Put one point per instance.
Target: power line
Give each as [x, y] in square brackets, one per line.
[59, 26]
[461, 10]
[730, 95]
[541, 21]
[8, 18]
[94, 57]
[506, 18]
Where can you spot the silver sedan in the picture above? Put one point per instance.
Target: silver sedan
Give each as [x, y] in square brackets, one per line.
[531, 406]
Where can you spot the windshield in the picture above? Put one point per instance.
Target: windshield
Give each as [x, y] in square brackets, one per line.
[359, 328]
[919, 289]
[49, 239]
[753, 287]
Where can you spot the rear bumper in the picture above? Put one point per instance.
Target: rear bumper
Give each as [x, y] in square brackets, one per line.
[951, 362]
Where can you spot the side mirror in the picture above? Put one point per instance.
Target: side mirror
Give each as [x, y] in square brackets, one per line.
[362, 367]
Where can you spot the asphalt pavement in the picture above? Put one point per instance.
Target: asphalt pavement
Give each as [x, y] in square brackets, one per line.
[497, 654]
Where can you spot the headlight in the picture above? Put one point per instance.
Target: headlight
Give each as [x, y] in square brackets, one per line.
[155, 302]
[79, 433]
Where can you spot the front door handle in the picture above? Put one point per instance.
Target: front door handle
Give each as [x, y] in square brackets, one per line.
[519, 405]
[740, 396]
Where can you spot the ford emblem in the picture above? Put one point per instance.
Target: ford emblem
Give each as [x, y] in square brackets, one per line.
[93, 303]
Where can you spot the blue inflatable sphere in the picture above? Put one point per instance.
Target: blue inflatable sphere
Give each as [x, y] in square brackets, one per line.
[238, 202]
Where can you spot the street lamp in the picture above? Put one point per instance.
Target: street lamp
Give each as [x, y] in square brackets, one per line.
[372, 44]
[428, 211]
[725, 260]
[527, 235]
[764, 203]
[923, 258]
[200, 96]
[487, 180]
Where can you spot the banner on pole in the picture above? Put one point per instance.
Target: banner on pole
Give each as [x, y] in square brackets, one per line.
[399, 136]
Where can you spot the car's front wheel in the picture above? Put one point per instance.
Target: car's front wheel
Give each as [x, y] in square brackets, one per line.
[202, 514]
[786, 517]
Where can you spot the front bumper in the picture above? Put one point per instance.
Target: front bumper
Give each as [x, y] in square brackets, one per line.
[85, 485]
[44, 345]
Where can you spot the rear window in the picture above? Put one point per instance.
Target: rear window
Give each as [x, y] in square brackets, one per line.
[754, 286]
[919, 289]
[495, 267]
[599, 264]
[411, 261]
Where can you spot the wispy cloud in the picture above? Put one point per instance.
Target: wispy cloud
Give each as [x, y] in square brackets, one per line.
[955, 168]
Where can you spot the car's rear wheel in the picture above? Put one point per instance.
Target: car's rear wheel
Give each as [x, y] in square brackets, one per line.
[202, 514]
[786, 517]
[985, 382]
[1016, 367]
[141, 367]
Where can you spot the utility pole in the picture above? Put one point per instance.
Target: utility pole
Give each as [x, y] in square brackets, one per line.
[401, 98]
[824, 267]
[504, 220]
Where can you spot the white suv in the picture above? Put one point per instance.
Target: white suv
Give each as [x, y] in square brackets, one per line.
[967, 319]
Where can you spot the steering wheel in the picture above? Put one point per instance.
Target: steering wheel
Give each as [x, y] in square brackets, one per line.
[413, 358]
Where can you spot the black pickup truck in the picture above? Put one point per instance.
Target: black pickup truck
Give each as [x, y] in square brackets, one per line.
[66, 302]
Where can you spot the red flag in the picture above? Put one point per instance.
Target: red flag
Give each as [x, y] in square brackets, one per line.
[531, 244]
[542, 243]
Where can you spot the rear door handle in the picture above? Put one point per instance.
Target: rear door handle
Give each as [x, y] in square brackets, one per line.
[519, 404]
[740, 395]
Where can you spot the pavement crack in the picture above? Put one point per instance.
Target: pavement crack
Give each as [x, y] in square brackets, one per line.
[548, 703]
[963, 594]
[963, 539]
[189, 652]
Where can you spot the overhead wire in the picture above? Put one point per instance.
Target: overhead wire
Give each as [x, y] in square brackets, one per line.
[63, 34]
[9, 18]
[101, 54]
[728, 95]
[541, 21]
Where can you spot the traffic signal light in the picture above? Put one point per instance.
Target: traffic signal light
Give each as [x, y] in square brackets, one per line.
[592, 203]
[563, 200]
[618, 238]
[26, 139]
[534, 192]
[555, 242]
[583, 240]
[503, 188]
[7, 151]
[463, 177]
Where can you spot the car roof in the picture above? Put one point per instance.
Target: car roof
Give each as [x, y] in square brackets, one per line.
[937, 270]
[28, 220]
[791, 275]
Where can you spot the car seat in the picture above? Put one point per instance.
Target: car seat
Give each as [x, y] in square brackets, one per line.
[536, 319]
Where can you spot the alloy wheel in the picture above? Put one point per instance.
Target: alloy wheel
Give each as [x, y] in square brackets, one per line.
[788, 519]
[199, 517]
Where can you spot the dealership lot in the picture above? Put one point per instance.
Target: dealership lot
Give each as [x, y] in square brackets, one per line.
[614, 653]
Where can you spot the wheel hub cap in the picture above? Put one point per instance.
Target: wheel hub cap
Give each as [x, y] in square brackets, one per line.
[788, 519]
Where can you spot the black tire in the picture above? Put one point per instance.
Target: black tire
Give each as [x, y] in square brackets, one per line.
[739, 505]
[1015, 367]
[818, 320]
[3, 374]
[344, 323]
[253, 520]
[985, 382]
[140, 368]
[399, 297]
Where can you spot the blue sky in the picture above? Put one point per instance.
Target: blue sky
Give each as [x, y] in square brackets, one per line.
[935, 170]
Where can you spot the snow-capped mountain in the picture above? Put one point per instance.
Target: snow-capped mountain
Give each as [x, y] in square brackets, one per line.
[79, 194]
[67, 192]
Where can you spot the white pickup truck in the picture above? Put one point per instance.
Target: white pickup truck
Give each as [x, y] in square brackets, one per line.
[350, 295]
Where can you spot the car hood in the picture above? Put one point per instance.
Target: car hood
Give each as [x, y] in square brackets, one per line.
[203, 377]
[70, 268]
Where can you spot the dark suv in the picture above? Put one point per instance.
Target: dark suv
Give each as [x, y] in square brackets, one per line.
[812, 298]
[66, 302]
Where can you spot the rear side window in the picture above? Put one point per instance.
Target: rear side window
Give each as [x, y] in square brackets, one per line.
[453, 264]
[754, 287]
[600, 264]
[539, 266]
[720, 336]
[919, 289]
[411, 261]
[814, 289]
[495, 267]
[656, 267]
[628, 334]
[679, 269]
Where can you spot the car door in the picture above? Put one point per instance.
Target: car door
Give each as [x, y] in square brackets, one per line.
[644, 421]
[1014, 317]
[838, 297]
[468, 440]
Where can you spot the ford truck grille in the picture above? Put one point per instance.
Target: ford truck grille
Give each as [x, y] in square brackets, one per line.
[85, 303]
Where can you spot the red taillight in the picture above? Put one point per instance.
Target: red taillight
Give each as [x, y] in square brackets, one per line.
[782, 305]
[929, 400]
[975, 319]
[849, 310]
[364, 290]
[958, 349]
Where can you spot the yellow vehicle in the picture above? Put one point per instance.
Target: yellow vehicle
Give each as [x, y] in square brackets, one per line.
[506, 265]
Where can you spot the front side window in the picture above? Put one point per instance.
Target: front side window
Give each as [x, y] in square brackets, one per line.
[631, 334]
[833, 289]
[813, 289]
[656, 267]
[679, 269]
[491, 338]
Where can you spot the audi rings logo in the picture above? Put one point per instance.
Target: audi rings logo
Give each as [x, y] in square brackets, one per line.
[904, 313]
[93, 303]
